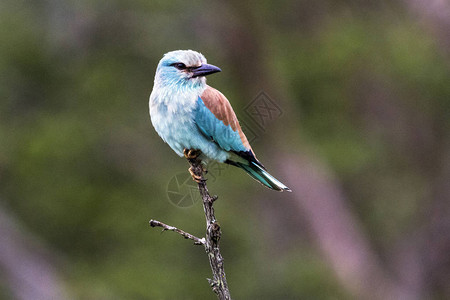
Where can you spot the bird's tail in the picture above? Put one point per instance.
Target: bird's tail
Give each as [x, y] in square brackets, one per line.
[257, 172]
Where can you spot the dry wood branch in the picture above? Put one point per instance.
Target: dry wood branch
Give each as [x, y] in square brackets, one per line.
[186, 235]
[218, 283]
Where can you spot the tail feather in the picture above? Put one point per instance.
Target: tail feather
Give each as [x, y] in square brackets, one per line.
[261, 175]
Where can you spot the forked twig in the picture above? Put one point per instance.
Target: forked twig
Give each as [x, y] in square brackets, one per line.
[218, 283]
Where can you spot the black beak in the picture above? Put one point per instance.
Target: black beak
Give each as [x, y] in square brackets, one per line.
[204, 70]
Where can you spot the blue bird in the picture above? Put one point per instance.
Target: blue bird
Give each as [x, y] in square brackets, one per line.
[189, 114]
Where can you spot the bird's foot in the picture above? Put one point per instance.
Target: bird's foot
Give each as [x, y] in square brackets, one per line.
[191, 153]
[195, 177]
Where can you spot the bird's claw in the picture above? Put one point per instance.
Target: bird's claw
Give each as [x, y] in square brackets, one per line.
[191, 153]
[195, 177]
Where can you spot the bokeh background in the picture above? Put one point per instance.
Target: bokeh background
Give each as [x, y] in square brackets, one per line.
[361, 136]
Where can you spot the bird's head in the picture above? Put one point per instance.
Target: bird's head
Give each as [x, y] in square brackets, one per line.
[183, 67]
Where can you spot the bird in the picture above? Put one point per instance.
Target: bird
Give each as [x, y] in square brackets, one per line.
[194, 118]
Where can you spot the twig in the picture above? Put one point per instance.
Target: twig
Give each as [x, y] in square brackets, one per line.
[186, 235]
[218, 283]
[213, 233]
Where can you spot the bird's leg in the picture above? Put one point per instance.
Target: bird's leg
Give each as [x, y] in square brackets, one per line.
[192, 156]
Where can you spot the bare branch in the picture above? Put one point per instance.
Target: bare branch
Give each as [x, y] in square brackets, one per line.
[186, 235]
[213, 233]
[218, 283]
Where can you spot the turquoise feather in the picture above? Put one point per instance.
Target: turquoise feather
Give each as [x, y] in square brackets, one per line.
[215, 129]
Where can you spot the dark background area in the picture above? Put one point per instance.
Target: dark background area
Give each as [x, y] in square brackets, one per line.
[347, 102]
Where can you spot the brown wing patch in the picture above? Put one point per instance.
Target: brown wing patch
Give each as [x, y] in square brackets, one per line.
[219, 105]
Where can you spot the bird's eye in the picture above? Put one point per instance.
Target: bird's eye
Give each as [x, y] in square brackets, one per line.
[179, 66]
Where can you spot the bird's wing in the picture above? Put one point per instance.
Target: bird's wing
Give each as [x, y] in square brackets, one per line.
[216, 120]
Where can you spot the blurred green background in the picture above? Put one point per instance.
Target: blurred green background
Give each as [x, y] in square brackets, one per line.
[362, 138]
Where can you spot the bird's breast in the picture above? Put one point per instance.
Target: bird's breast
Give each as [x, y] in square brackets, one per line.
[172, 112]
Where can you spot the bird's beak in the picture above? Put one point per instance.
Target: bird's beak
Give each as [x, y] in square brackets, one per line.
[204, 70]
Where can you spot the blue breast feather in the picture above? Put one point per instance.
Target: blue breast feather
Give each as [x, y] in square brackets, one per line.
[215, 129]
